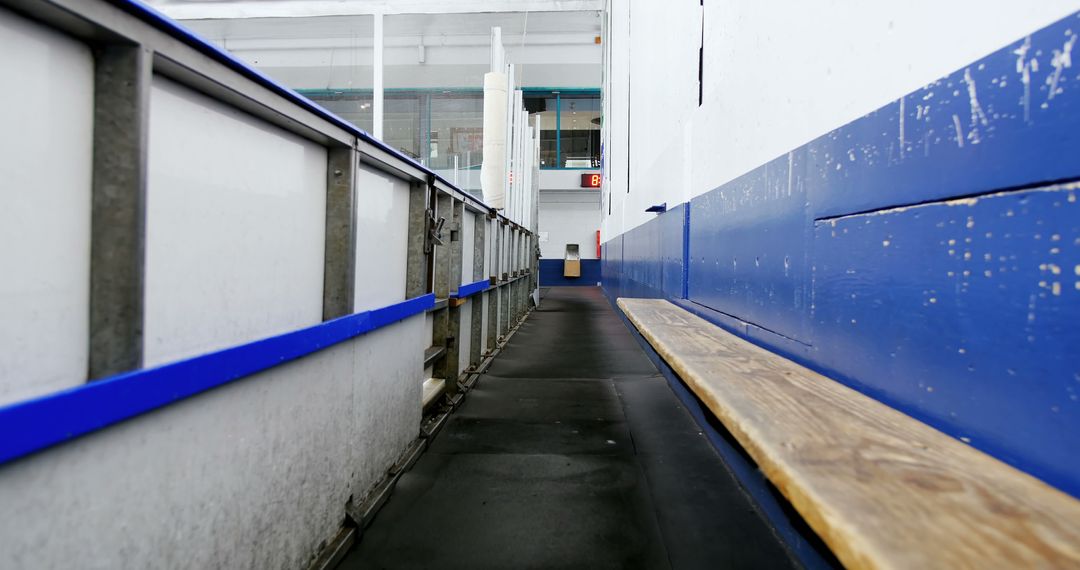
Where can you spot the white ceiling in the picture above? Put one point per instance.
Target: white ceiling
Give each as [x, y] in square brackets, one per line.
[204, 9]
[402, 25]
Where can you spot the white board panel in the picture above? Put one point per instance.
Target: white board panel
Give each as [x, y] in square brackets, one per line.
[253, 474]
[45, 169]
[465, 333]
[429, 333]
[468, 231]
[235, 217]
[489, 249]
[382, 232]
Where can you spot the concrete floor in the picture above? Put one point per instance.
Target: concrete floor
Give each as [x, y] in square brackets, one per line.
[571, 452]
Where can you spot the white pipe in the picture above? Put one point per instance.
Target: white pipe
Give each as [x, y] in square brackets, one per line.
[508, 134]
[377, 80]
[498, 52]
[515, 175]
[493, 168]
[523, 120]
[534, 221]
[519, 158]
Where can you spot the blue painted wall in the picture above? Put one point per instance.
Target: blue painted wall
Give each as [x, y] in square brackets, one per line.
[551, 274]
[927, 254]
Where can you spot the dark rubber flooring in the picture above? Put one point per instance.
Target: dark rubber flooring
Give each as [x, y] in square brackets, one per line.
[571, 452]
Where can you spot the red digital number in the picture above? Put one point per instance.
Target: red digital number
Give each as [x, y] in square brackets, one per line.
[590, 180]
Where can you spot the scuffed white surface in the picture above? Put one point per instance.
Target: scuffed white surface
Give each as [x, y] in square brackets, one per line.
[45, 189]
[235, 218]
[468, 237]
[568, 218]
[382, 234]
[254, 474]
[777, 75]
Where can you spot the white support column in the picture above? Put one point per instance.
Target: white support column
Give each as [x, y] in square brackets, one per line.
[535, 201]
[523, 126]
[498, 52]
[515, 161]
[509, 134]
[377, 91]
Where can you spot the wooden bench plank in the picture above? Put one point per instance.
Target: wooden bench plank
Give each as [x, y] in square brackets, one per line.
[882, 489]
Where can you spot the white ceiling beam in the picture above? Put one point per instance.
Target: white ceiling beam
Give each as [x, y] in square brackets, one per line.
[181, 10]
[537, 40]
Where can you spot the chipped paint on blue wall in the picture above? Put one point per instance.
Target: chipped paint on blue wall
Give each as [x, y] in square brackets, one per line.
[1009, 120]
[748, 248]
[927, 254]
[965, 312]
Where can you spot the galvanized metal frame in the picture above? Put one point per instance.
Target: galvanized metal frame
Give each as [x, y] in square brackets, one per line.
[339, 273]
[122, 74]
[476, 348]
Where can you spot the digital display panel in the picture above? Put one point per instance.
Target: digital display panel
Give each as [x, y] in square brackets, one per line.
[590, 180]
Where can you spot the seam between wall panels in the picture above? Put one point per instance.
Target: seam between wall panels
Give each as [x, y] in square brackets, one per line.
[964, 200]
[686, 251]
[703, 310]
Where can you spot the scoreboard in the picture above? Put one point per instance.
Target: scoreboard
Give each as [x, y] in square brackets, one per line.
[590, 180]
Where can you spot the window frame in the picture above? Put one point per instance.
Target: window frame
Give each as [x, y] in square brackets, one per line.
[423, 96]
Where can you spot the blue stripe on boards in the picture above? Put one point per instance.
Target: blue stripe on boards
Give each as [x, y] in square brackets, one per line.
[46, 421]
[471, 289]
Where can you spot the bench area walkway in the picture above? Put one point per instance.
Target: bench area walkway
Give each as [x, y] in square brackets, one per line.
[571, 452]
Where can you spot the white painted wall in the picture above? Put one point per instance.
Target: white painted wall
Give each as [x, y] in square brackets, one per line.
[382, 234]
[568, 217]
[552, 179]
[777, 75]
[45, 169]
[235, 218]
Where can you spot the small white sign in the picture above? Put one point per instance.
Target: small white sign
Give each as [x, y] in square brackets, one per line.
[543, 237]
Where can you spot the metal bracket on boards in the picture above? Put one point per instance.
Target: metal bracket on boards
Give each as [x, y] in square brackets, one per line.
[434, 231]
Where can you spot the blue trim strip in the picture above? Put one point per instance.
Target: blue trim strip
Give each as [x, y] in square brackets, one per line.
[171, 27]
[36, 424]
[470, 289]
[686, 251]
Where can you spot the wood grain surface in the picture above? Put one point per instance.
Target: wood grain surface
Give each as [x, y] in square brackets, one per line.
[882, 489]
